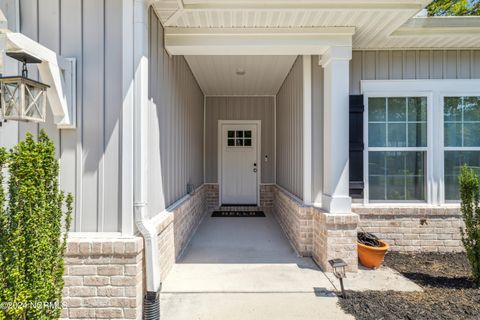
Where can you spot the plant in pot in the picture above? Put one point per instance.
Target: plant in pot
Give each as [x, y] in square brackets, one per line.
[371, 250]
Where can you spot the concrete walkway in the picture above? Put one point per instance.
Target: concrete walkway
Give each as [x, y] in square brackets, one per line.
[245, 268]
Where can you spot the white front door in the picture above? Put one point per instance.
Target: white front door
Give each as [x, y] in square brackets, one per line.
[239, 163]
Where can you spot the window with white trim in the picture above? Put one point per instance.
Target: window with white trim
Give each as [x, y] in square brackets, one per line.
[418, 134]
[461, 128]
[397, 147]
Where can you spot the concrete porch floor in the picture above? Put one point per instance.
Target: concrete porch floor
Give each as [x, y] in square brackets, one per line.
[245, 268]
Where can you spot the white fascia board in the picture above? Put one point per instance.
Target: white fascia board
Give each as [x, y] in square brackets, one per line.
[57, 72]
[304, 5]
[255, 41]
[439, 26]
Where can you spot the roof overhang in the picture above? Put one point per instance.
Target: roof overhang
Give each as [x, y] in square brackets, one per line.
[439, 25]
[255, 41]
[379, 24]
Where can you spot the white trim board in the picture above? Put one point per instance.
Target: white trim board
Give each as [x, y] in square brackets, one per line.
[255, 41]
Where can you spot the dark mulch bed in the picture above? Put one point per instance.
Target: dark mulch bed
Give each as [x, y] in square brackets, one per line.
[449, 292]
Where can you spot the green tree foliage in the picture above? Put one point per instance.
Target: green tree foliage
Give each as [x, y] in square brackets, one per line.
[469, 194]
[454, 8]
[32, 242]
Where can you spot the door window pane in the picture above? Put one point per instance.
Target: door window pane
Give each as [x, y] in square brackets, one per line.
[454, 160]
[396, 175]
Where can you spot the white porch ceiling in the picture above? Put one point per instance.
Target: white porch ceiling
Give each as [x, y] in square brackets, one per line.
[217, 75]
[374, 20]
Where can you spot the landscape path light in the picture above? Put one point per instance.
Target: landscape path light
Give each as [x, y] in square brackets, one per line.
[338, 266]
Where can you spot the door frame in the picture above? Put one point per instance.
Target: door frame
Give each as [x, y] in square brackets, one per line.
[258, 123]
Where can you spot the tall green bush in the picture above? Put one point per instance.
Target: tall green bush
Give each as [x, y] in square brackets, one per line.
[32, 243]
[469, 194]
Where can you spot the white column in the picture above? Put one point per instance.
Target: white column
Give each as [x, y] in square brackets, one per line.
[336, 197]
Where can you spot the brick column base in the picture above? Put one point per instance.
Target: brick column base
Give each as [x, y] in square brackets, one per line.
[103, 278]
[335, 236]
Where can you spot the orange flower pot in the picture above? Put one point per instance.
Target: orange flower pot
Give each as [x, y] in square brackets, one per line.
[372, 257]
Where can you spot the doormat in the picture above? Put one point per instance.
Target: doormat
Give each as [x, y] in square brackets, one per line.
[237, 214]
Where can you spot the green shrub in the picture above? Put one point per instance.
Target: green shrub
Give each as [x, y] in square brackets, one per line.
[469, 194]
[32, 241]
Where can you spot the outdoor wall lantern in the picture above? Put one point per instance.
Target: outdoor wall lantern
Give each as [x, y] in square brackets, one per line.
[21, 98]
[338, 266]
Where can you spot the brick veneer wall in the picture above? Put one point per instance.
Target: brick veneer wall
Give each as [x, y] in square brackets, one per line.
[335, 236]
[295, 220]
[414, 229]
[267, 195]
[103, 278]
[176, 228]
[212, 190]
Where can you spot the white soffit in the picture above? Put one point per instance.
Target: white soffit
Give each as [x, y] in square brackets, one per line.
[373, 20]
[379, 24]
[263, 75]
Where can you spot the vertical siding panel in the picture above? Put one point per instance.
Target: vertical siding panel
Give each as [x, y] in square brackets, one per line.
[476, 64]
[382, 64]
[49, 36]
[113, 99]
[369, 68]
[93, 109]
[71, 46]
[396, 65]
[29, 27]
[175, 125]
[356, 72]
[289, 131]
[423, 65]
[436, 71]
[464, 64]
[409, 66]
[451, 64]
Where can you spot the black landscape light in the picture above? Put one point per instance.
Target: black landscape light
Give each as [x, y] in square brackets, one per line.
[338, 266]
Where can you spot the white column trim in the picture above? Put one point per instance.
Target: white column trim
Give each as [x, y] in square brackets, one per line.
[336, 197]
[307, 129]
[127, 224]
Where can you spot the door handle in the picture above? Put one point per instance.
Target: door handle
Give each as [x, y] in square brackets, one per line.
[254, 167]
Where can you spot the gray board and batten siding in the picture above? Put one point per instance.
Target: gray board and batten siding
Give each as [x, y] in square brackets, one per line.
[413, 64]
[90, 161]
[175, 133]
[289, 105]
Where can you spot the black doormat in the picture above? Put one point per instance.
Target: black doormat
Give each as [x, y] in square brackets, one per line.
[237, 214]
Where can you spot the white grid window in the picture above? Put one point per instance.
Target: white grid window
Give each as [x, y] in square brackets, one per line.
[461, 115]
[397, 146]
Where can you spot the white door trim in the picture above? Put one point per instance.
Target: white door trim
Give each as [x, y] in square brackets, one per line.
[258, 123]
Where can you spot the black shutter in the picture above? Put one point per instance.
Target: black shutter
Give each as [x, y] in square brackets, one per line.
[356, 146]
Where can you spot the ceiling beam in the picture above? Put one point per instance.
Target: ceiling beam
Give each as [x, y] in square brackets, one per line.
[255, 41]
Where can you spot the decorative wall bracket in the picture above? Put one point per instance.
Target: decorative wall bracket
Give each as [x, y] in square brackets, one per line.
[57, 72]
